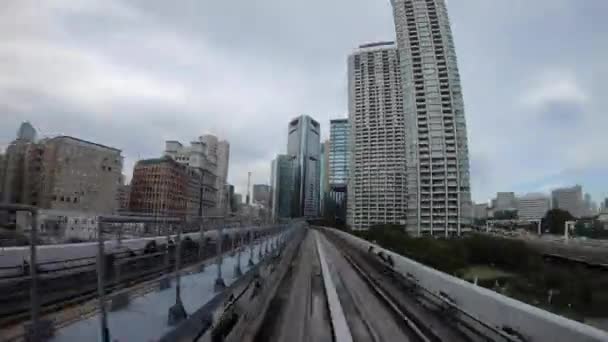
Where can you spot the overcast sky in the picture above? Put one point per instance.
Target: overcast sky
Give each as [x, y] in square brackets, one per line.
[132, 74]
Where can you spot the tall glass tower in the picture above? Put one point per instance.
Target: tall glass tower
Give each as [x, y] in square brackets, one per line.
[439, 195]
[304, 143]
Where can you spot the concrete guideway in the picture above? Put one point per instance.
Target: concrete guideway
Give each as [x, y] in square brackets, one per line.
[370, 314]
[338, 320]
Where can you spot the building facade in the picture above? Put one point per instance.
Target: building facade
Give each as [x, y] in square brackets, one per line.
[339, 157]
[505, 201]
[282, 186]
[304, 143]
[14, 169]
[439, 195]
[218, 152]
[261, 194]
[569, 199]
[201, 159]
[480, 211]
[532, 207]
[324, 186]
[376, 175]
[159, 187]
[79, 175]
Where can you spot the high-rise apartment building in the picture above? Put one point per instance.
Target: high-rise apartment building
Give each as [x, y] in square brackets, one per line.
[304, 143]
[377, 169]
[532, 207]
[569, 199]
[439, 195]
[79, 175]
[282, 186]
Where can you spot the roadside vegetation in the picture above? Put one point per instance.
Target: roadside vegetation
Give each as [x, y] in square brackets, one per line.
[507, 266]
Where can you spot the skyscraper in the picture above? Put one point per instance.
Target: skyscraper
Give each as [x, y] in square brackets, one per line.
[376, 177]
[339, 155]
[439, 195]
[304, 143]
[282, 186]
[324, 186]
[261, 194]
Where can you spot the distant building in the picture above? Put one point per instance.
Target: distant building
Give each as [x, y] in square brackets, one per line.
[282, 186]
[533, 207]
[237, 202]
[79, 175]
[14, 169]
[480, 211]
[201, 155]
[2, 174]
[123, 197]
[158, 187]
[218, 151]
[26, 132]
[324, 186]
[261, 194]
[303, 142]
[505, 201]
[229, 189]
[339, 157]
[569, 199]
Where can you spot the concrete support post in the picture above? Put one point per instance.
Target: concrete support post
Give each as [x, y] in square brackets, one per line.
[219, 281]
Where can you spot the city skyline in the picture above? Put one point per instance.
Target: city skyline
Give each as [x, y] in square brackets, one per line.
[547, 95]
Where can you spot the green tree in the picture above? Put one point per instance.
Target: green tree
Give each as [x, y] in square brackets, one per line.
[555, 219]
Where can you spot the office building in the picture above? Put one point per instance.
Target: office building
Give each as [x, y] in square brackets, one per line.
[532, 207]
[123, 197]
[377, 170]
[439, 195]
[480, 211]
[14, 169]
[324, 186]
[159, 187]
[229, 189]
[26, 132]
[2, 174]
[339, 156]
[202, 156]
[569, 199]
[79, 175]
[218, 152]
[505, 201]
[282, 186]
[237, 202]
[304, 143]
[261, 194]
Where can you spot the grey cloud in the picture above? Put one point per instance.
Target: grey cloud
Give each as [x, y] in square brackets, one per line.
[242, 69]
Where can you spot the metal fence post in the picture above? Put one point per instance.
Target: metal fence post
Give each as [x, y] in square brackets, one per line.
[237, 268]
[177, 313]
[201, 246]
[250, 247]
[105, 332]
[219, 281]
